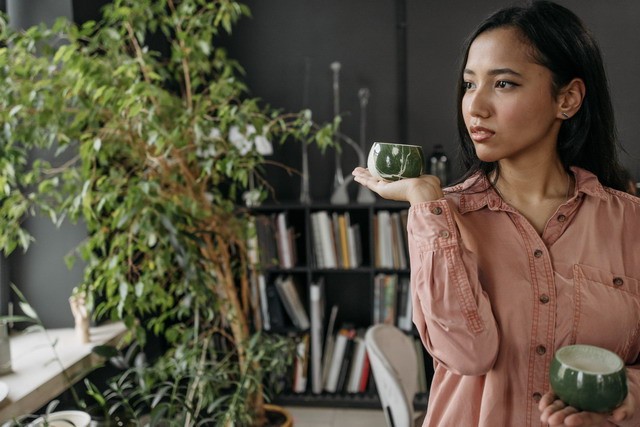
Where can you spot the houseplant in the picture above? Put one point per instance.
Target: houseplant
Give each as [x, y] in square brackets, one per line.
[151, 152]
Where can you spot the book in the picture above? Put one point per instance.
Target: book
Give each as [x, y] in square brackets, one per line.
[347, 359]
[399, 241]
[285, 250]
[343, 337]
[366, 373]
[389, 296]
[328, 240]
[316, 295]
[292, 303]
[377, 298]
[329, 343]
[276, 310]
[316, 237]
[301, 365]
[405, 313]
[351, 241]
[264, 303]
[357, 363]
[384, 241]
[335, 225]
[265, 232]
[344, 242]
[357, 244]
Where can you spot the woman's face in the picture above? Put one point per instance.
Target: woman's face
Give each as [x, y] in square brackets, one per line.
[508, 106]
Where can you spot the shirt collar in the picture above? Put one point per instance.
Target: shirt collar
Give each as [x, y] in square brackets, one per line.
[476, 192]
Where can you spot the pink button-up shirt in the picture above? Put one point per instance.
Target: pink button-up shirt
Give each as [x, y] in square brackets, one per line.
[493, 299]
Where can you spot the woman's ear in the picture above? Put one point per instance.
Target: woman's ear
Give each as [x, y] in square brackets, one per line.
[570, 98]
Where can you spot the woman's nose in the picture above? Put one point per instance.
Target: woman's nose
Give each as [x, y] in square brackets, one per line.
[478, 104]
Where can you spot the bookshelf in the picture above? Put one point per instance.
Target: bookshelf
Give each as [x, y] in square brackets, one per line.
[354, 284]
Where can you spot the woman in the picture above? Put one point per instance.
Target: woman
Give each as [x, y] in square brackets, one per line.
[536, 248]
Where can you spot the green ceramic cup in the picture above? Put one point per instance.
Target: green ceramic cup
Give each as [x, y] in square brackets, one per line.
[588, 378]
[391, 161]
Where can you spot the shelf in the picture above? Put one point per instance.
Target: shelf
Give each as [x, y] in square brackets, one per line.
[321, 234]
[342, 400]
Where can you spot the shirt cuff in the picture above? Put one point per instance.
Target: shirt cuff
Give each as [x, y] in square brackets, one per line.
[432, 225]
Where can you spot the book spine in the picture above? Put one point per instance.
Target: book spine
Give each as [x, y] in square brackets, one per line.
[264, 302]
[301, 365]
[316, 234]
[344, 241]
[355, 370]
[364, 375]
[316, 297]
[284, 244]
[336, 362]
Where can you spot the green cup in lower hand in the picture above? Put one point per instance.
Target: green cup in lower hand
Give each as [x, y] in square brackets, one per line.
[589, 378]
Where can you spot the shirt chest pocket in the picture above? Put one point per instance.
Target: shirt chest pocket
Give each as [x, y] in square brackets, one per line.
[607, 310]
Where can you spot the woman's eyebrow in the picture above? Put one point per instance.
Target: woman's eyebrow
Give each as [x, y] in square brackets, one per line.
[495, 72]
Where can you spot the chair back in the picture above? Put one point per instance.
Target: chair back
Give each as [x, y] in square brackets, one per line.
[395, 370]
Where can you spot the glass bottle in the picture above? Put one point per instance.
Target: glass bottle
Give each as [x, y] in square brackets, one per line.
[439, 164]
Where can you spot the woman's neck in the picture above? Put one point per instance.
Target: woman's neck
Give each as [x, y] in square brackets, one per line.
[533, 184]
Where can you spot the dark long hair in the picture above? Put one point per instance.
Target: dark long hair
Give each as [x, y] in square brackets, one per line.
[561, 43]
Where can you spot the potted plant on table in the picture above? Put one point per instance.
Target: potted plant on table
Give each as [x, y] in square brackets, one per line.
[151, 151]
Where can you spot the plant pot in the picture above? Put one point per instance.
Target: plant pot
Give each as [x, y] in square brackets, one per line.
[277, 416]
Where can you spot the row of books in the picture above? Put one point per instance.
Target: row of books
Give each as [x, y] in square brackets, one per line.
[343, 366]
[392, 301]
[336, 242]
[334, 361]
[274, 243]
[281, 299]
[390, 239]
[339, 361]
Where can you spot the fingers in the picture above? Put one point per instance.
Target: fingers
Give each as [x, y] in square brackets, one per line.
[554, 411]
[546, 400]
[364, 177]
[624, 411]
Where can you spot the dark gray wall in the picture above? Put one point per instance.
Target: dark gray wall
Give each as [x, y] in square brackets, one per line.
[362, 35]
[41, 273]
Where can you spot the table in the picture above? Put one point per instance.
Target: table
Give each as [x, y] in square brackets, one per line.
[37, 377]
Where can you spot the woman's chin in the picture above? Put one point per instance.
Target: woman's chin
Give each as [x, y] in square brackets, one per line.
[487, 157]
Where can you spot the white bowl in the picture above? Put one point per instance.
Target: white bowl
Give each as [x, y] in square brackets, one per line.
[63, 419]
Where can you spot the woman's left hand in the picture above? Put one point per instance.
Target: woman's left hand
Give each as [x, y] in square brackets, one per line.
[557, 414]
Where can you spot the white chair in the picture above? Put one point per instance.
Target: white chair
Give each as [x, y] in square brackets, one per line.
[395, 370]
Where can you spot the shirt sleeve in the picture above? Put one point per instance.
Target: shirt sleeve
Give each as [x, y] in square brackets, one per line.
[451, 311]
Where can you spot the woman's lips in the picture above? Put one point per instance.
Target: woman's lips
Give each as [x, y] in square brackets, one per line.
[480, 134]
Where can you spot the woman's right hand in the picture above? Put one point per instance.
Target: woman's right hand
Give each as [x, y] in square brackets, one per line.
[424, 188]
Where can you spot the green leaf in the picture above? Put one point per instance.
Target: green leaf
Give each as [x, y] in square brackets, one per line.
[106, 351]
[28, 310]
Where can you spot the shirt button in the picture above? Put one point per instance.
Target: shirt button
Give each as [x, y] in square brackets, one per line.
[537, 253]
[444, 234]
[618, 281]
[537, 396]
[562, 218]
[544, 298]
[541, 350]
[437, 210]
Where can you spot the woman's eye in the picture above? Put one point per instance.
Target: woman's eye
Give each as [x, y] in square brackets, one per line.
[504, 84]
[467, 85]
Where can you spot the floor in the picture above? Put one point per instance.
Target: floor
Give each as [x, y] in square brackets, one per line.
[324, 417]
